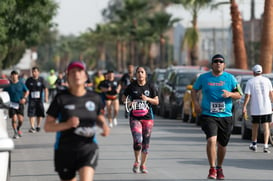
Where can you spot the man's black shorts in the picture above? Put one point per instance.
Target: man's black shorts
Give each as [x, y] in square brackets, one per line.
[261, 118]
[13, 111]
[68, 161]
[36, 109]
[217, 126]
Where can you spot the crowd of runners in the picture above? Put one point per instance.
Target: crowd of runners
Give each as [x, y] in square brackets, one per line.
[79, 103]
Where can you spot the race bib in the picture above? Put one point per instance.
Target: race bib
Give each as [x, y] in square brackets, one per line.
[85, 131]
[216, 107]
[14, 105]
[139, 108]
[35, 94]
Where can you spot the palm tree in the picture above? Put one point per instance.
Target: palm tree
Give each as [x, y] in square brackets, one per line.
[161, 22]
[239, 49]
[267, 37]
[238, 37]
[191, 37]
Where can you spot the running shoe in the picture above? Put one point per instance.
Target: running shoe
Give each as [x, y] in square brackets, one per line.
[136, 167]
[143, 169]
[253, 147]
[111, 125]
[32, 130]
[212, 173]
[115, 121]
[220, 174]
[15, 136]
[38, 128]
[266, 150]
[19, 133]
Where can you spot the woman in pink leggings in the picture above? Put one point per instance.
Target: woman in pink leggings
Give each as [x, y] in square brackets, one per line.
[141, 96]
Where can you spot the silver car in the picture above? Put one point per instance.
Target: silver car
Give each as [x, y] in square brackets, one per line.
[6, 144]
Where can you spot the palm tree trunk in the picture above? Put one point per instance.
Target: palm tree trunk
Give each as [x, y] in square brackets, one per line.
[118, 55]
[267, 37]
[238, 37]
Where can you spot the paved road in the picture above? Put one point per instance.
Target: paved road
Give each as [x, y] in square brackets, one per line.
[177, 153]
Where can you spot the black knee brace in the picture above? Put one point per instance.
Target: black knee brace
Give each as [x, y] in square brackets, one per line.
[137, 146]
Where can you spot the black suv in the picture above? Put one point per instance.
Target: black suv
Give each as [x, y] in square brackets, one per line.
[172, 91]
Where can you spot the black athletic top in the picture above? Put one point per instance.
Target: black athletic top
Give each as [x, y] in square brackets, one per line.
[134, 91]
[36, 88]
[113, 84]
[87, 108]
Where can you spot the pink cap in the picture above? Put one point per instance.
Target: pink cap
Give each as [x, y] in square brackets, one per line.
[76, 64]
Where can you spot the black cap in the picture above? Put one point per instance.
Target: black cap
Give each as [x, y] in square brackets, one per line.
[218, 57]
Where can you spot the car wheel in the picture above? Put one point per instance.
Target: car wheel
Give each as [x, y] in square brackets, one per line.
[270, 141]
[245, 132]
[198, 120]
[9, 167]
[172, 114]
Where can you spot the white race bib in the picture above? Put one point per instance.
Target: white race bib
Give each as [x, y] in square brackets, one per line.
[217, 107]
[14, 105]
[35, 94]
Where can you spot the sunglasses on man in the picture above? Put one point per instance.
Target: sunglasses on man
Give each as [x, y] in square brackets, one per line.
[218, 61]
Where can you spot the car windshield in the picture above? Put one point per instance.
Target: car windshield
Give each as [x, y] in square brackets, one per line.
[184, 79]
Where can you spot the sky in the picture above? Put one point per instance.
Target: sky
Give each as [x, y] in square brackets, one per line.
[76, 16]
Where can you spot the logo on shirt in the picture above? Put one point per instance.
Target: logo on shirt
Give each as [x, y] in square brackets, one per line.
[147, 93]
[70, 107]
[90, 105]
[221, 83]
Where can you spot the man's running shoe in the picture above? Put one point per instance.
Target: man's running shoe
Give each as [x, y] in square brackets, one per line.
[38, 128]
[32, 130]
[266, 150]
[212, 173]
[253, 147]
[110, 125]
[19, 133]
[220, 174]
[143, 169]
[136, 167]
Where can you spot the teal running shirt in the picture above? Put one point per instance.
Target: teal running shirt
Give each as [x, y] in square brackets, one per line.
[213, 103]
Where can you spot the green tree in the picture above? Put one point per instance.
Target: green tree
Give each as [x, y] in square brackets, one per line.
[23, 21]
[191, 37]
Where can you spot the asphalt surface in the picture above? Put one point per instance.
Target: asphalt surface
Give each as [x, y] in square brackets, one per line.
[177, 152]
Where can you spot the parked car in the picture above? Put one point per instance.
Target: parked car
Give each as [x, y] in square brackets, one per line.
[237, 115]
[246, 123]
[6, 144]
[157, 78]
[172, 91]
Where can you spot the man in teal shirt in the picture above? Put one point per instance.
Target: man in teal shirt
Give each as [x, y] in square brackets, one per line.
[218, 90]
[18, 93]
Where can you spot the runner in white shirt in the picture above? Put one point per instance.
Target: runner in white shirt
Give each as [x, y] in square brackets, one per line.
[259, 92]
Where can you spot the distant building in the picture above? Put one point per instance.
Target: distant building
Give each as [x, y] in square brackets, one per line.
[252, 36]
[26, 62]
[215, 40]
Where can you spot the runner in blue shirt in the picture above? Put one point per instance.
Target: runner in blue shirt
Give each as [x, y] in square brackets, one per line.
[18, 93]
[218, 90]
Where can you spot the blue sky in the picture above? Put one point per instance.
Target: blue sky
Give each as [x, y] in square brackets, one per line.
[76, 16]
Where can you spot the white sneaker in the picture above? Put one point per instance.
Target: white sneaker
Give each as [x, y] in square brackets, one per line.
[253, 147]
[266, 150]
[111, 125]
[115, 121]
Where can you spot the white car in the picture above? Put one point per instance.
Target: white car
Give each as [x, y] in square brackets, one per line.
[6, 143]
